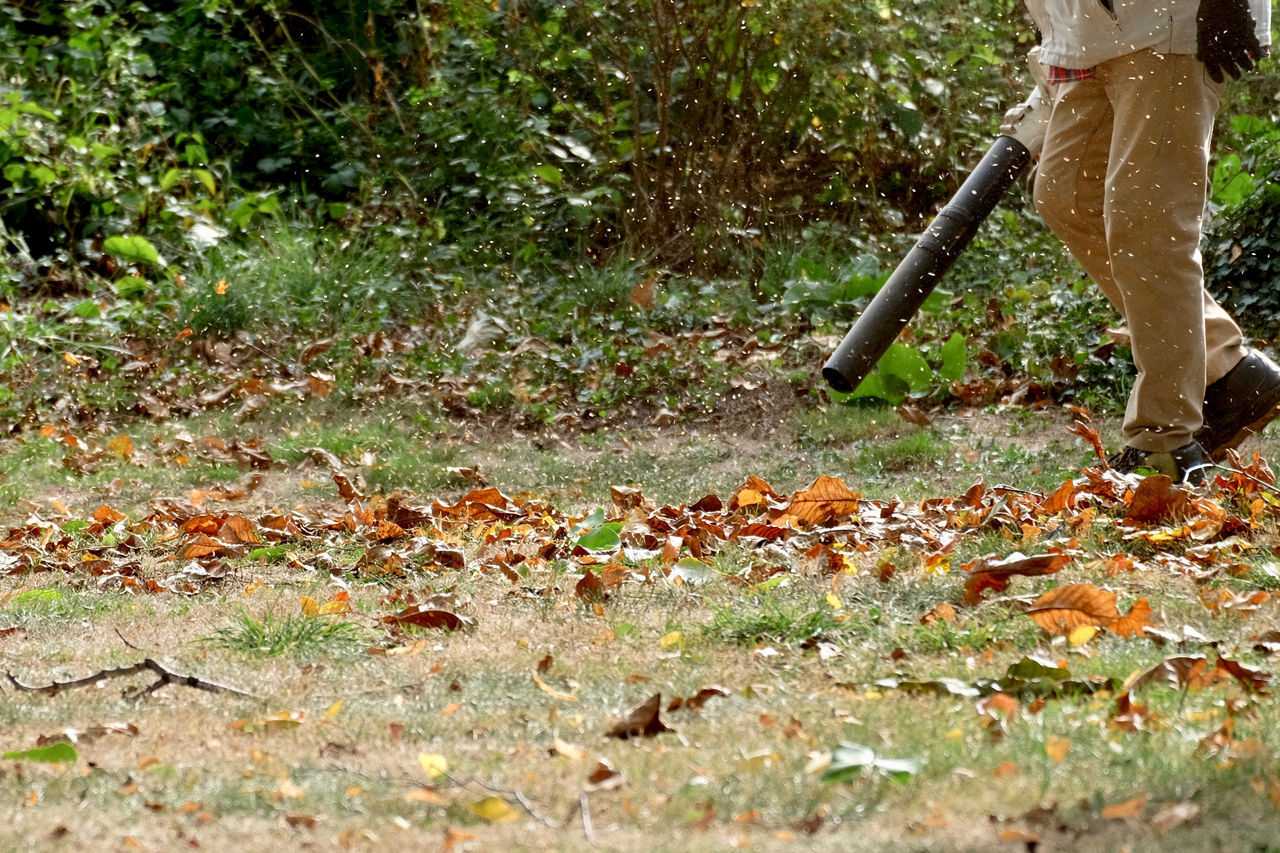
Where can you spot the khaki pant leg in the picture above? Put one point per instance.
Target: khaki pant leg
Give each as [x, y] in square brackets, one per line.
[1122, 182]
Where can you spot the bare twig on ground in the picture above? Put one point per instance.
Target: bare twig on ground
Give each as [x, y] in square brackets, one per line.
[166, 676]
[587, 830]
[125, 640]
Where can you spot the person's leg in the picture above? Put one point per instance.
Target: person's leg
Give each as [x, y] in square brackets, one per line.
[1069, 189]
[1157, 176]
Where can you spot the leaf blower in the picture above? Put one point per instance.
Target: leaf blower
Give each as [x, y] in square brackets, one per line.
[1022, 135]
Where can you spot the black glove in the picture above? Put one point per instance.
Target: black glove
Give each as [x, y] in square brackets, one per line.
[1225, 40]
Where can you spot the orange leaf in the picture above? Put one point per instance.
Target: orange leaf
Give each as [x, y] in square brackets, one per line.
[943, 612]
[1090, 435]
[106, 515]
[1061, 499]
[754, 492]
[201, 546]
[389, 530]
[1157, 499]
[1067, 607]
[1134, 623]
[123, 445]
[826, 500]
[1057, 747]
[987, 573]
[206, 524]
[1129, 808]
[239, 530]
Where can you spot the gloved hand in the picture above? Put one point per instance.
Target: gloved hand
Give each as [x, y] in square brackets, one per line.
[1225, 38]
[1028, 122]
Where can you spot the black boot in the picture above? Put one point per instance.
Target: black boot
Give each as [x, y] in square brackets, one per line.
[1188, 464]
[1239, 404]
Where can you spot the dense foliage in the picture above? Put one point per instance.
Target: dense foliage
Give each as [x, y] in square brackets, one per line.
[286, 169]
[681, 129]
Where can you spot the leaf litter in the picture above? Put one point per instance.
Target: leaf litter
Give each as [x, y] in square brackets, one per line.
[180, 547]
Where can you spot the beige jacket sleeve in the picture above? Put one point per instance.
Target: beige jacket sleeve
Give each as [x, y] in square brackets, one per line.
[1083, 33]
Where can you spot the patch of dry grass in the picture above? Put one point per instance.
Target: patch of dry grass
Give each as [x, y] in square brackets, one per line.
[328, 753]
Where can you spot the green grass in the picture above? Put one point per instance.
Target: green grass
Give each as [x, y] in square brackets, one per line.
[271, 635]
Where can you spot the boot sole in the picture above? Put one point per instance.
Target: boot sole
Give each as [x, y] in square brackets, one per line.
[1219, 453]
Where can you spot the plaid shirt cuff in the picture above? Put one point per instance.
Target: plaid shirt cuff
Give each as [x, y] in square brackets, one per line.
[1071, 75]
[1068, 75]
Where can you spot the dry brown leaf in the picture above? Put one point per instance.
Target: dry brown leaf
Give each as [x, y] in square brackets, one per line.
[1252, 680]
[697, 700]
[1061, 500]
[590, 588]
[603, 777]
[828, 499]
[1129, 716]
[551, 691]
[629, 497]
[106, 515]
[990, 573]
[1061, 610]
[645, 294]
[1190, 671]
[202, 546]
[1129, 808]
[1157, 499]
[1134, 623]
[641, 721]
[426, 616]
[238, 530]
[1090, 435]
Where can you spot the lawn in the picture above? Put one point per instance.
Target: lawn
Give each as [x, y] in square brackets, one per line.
[377, 634]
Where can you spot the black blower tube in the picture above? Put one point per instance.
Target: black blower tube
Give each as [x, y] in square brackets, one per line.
[923, 267]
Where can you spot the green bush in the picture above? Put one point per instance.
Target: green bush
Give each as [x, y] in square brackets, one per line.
[688, 131]
[1242, 253]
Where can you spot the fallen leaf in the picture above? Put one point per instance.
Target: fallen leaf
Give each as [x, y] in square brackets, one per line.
[1157, 499]
[603, 777]
[696, 701]
[494, 810]
[1057, 748]
[425, 616]
[1129, 808]
[1190, 671]
[551, 691]
[1061, 610]
[824, 501]
[435, 766]
[641, 721]
[1134, 623]
[1090, 435]
[990, 573]
[106, 515]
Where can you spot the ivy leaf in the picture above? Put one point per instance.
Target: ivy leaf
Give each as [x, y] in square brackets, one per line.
[54, 753]
[606, 537]
[550, 174]
[134, 249]
[954, 357]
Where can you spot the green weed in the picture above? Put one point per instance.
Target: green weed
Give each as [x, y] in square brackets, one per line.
[271, 635]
